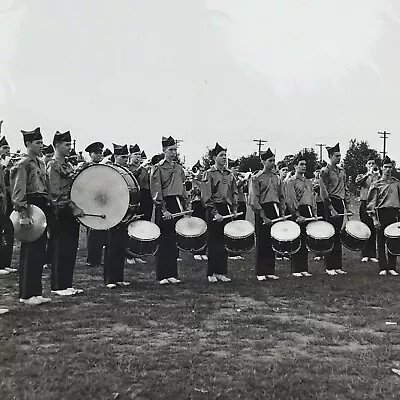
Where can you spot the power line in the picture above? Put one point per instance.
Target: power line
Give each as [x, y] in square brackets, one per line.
[384, 137]
[260, 143]
[320, 145]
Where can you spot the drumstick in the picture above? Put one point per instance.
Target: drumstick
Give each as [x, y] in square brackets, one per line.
[180, 214]
[230, 215]
[95, 215]
[345, 214]
[313, 219]
[278, 219]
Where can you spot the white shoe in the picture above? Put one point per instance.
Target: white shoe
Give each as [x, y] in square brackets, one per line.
[286, 258]
[331, 272]
[382, 273]
[75, 291]
[4, 310]
[205, 258]
[374, 260]
[11, 269]
[45, 266]
[317, 258]
[179, 259]
[279, 258]
[273, 277]
[297, 274]
[173, 280]
[222, 278]
[340, 271]
[232, 257]
[306, 273]
[212, 279]
[43, 299]
[393, 272]
[198, 257]
[164, 281]
[261, 278]
[140, 261]
[32, 301]
[364, 259]
[64, 292]
[130, 261]
[3, 272]
[123, 283]
[111, 286]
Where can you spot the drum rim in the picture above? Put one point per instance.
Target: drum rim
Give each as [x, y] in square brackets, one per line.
[144, 240]
[317, 222]
[79, 219]
[287, 253]
[354, 237]
[291, 223]
[239, 237]
[392, 237]
[191, 236]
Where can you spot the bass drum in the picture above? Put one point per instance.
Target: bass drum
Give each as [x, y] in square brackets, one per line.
[105, 189]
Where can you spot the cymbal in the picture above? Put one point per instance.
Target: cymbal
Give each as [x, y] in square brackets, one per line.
[32, 232]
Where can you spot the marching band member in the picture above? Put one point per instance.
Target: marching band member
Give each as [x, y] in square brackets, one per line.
[364, 182]
[335, 194]
[65, 230]
[198, 208]
[219, 195]
[302, 204]
[29, 186]
[96, 239]
[318, 199]
[169, 195]
[383, 204]
[6, 226]
[114, 259]
[48, 152]
[268, 203]
[108, 157]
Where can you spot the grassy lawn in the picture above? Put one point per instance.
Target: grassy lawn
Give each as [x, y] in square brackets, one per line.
[297, 338]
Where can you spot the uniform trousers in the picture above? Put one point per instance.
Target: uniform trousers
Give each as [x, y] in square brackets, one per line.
[199, 211]
[370, 248]
[146, 204]
[386, 216]
[333, 259]
[6, 241]
[265, 255]
[95, 241]
[167, 255]
[114, 256]
[65, 238]
[299, 260]
[217, 254]
[33, 255]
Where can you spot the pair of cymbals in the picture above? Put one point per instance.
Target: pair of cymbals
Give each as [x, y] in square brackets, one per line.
[29, 233]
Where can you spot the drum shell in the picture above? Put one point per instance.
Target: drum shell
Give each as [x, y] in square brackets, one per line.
[352, 243]
[393, 245]
[191, 243]
[320, 246]
[286, 247]
[239, 245]
[142, 248]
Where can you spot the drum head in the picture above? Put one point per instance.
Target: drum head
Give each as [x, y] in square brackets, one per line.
[238, 229]
[32, 232]
[191, 227]
[358, 230]
[285, 231]
[320, 230]
[145, 231]
[393, 230]
[101, 189]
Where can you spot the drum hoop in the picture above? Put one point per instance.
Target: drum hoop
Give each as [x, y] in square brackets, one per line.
[392, 237]
[178, 232]
[319, 238]
[145, 239]
[248, 223]
[352, 235]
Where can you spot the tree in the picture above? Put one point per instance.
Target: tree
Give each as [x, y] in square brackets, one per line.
[311, 157]
[250, 163]
[357, 156]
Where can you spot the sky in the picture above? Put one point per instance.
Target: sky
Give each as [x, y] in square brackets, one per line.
[292, 72]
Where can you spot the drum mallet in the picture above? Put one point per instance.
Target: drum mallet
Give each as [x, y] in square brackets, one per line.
[230, 216]
[95, 215]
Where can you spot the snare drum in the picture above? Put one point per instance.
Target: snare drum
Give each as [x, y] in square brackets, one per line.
[392, 236]
[285, 237]
[320, 236]
[239, 236]
[143, 238]
[191, 234]
[107, 189]
[354, 236]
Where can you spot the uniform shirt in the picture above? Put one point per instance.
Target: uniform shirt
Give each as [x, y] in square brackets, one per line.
[3, 192]
[383, 193]
[241, 186]
[167, 179]
[265, 187]
[316, 188]
[219, 187]
[333, 183]
[364, 182]
[141, 175]
[28, 176]
[195, 194]
[300, 192]
[60, 175]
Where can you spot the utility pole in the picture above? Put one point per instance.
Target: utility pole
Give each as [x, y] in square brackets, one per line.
[74, 143]
[260, 143]
[177, 141]
[384, 137]
[320, 145]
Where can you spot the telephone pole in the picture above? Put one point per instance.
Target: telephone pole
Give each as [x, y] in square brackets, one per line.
[178, 141]
[74, 143]
[384, 137]
[320, 145]
[260, 143]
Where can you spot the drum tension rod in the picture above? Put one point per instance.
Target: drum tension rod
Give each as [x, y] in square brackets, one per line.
[95, 215]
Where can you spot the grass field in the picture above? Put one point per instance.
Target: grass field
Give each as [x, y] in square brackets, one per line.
[296, 338]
